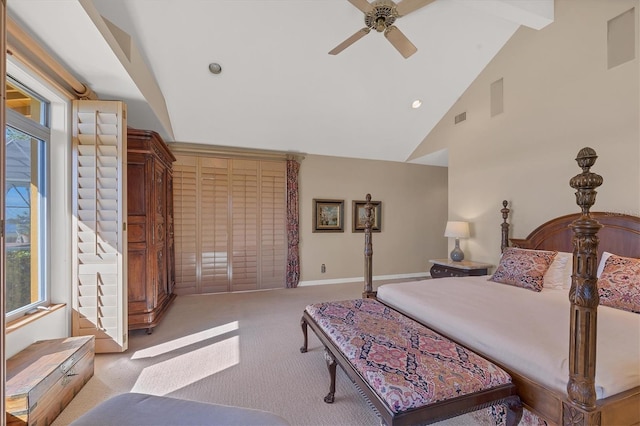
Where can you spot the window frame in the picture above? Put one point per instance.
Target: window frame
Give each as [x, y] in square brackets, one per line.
[41, 133]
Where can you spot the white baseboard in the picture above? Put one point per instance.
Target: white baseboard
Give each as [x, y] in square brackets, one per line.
[361, 279]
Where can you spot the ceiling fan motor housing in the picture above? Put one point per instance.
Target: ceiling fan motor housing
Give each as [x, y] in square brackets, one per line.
[382, 16]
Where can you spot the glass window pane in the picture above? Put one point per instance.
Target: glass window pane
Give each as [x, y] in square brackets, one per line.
[24, 285]
[20, 100]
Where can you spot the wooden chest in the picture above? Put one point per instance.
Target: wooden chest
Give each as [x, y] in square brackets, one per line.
[43, 378]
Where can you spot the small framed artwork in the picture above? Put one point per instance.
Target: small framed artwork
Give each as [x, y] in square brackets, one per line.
[360, 216]
[328, 215]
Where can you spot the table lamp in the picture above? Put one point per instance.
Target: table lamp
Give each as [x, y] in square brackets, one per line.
[457, 230]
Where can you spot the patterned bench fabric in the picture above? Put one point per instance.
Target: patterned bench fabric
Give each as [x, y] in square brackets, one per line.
[407, 364]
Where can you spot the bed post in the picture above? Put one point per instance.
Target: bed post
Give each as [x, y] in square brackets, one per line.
[581, 409]
[368, 252]
[505, 226]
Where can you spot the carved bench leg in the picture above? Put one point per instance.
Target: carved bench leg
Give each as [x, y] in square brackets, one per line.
[514, 410]
[331, 365]
[303, 324]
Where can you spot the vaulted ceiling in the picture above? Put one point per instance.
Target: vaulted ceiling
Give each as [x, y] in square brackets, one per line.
[279, 89]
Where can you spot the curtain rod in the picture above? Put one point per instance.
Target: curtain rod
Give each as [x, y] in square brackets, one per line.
[27, 50]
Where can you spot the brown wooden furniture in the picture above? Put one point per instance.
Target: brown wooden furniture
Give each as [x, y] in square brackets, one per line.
[620, 234]
[44, 377]
[396, 329]
[151, 275]
[587, 235]
[448, 268]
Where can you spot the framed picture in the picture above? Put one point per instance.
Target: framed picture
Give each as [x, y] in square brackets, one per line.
[328, 215]
[359, 216]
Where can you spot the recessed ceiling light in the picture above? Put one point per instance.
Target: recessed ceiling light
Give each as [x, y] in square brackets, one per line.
[416, 104]
[215, 68]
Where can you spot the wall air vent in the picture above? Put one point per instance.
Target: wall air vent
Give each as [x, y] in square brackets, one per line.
[497, 97]
[621, 36]
[460, 117]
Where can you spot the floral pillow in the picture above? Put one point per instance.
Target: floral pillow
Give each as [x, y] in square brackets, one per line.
[619, 283]
[523, 268]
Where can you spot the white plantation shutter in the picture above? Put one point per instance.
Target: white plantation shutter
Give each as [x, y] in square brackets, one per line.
[99, 231]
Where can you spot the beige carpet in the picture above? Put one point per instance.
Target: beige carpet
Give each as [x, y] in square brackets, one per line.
[238, 349]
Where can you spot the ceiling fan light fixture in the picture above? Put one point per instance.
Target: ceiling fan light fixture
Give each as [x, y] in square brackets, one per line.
[380, 16]
[416, 104]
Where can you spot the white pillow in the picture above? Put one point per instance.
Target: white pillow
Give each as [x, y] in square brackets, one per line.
[559, 273]
[603, 260]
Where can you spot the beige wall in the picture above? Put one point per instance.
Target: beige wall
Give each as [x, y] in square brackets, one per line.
[414, 212]
[559, 97]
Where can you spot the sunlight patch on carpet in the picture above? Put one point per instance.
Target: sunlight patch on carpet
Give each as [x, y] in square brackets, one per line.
[186, 369]
[185, 341]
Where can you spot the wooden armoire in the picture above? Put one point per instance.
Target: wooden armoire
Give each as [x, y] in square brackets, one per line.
[151, 257]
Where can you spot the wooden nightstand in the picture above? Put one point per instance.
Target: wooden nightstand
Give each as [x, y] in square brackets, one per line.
[448, 268]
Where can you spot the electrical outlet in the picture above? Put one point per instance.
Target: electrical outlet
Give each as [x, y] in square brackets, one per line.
[323, 268]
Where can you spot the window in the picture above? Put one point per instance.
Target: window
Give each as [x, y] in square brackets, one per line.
[26, 237]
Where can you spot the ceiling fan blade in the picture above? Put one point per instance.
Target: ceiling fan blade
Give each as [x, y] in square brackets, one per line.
[405, 7]
[348, 42]
[400, 41]
[363, 5]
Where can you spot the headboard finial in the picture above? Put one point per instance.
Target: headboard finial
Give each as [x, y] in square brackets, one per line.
[586, 182]
[586, 158]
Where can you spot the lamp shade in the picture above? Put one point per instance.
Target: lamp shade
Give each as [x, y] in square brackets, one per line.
[457, 229]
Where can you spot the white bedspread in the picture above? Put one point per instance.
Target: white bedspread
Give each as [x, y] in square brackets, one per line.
[523, 330]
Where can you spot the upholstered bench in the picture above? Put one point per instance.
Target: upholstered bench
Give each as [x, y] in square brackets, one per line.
[411, 374]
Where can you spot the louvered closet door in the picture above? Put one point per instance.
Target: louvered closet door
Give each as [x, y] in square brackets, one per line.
[214, 225]
[244, 228]
[185, 199]
[273, 231]
[99, 212]
[230, 229]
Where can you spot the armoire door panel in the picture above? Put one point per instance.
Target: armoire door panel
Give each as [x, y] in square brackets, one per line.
[137, 232]
[136, 189]
[137, 274]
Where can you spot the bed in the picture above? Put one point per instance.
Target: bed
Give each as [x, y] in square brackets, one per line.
[548, 338]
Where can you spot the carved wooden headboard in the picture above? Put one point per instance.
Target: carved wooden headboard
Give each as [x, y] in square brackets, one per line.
[620, 234]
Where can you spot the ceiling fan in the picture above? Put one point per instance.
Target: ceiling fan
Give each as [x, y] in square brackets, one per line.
[380, 16]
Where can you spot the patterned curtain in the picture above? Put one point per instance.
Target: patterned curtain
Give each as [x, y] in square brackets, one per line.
[293, 233]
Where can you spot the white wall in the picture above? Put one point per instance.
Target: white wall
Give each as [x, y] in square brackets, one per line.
[559, 97]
